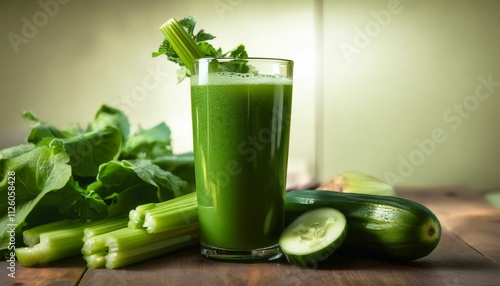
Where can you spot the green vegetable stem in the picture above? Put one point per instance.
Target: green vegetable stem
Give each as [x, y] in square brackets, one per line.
[182, 43]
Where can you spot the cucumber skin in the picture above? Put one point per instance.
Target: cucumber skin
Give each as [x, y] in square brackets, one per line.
[387, 227]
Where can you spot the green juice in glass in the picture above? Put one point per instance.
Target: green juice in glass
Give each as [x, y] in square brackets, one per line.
[241, 127]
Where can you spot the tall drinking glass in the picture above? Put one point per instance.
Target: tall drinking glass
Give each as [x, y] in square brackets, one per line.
[241, 129]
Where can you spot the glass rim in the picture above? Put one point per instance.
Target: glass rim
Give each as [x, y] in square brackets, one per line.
[254, 59]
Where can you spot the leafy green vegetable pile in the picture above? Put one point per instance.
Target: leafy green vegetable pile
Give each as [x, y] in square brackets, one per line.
[83, 175]
[88, 174]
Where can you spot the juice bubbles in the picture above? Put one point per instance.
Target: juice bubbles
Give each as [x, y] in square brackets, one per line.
[241, 128]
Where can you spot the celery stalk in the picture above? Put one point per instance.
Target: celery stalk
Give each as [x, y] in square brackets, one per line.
[53, 245]
[58, 240]
[95, 236]
[104, 226]
[25, 256]
[186, 212]
[136, 216]
[185, 47]
[128, 246]
[123, 258]
[96, 260]
[31, 236]
[95, 244]
[160, 220]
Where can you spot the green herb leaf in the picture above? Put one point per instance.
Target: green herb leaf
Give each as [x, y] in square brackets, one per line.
[209, 50]
[201, 36]
[238, 53]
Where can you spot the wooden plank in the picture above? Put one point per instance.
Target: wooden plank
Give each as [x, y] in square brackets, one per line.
[452, 263]
[446, 201]
[465, 213]
[480, 229]
[67, 272]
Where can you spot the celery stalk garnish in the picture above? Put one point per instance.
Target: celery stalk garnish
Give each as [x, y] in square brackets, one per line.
[182, 46]
[185, 47]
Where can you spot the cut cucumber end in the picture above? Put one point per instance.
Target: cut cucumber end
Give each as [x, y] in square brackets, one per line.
[313, 236]
[432, 231]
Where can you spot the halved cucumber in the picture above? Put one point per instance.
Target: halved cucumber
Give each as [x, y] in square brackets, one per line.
[386, 227]
[313, 236]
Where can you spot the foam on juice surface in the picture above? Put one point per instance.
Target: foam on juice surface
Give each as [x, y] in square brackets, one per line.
[231, 78]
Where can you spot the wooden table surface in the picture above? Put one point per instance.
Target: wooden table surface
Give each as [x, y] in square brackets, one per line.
[468, 254]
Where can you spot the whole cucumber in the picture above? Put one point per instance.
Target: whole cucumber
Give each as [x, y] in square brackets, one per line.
[386, 227]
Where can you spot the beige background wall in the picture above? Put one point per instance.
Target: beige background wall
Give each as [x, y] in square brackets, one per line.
[404, 91]
[391, 88]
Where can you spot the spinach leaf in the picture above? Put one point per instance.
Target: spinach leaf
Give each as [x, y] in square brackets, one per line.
[109, 116]
[15, 151]
[40, 129]
[77, 203]
[148, 143]
[128, 183]
[87, 149]
[182, 165]
[38, 172]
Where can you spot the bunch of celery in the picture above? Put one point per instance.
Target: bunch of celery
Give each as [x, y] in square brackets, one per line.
[153, 230]
[111, 243]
